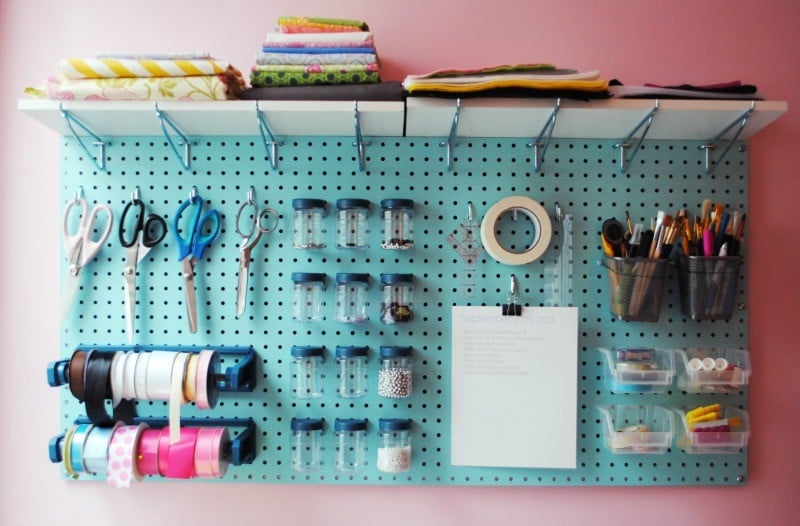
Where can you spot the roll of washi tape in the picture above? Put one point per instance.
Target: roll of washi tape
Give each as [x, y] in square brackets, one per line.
[147, 452]
[77, 446]
[122, 465]
[129, 381]
[204, 452]
[207, 391]
[189, 384]
[220, 463]
[117, 377]
[180, 455]
[176, 395]
[66, 453]
[140, 376]
[76, 368]
[159, 374]
[97, 373]
[95, 449]
[533, 211]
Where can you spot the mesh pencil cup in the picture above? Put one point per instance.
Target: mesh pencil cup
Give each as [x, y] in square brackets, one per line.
[635, 287]
[395, 374]
[352, 229]
[397, 225]
[394, 445]
[351, 297]
[351, 371]
[708, 286]
[307, 445]
[350, 451]
[308, 374]
[307, 301]
[308, 229]
[397, 298]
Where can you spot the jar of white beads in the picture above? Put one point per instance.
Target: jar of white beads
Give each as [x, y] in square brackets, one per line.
[308, 229]
[351, 371]
[394, 445]
[308, 375]
[351, 297]
[395, 372]
[397, 305]
[397, 226]
[350, 452]
[351, 227]
[307, 445]
[308, 302]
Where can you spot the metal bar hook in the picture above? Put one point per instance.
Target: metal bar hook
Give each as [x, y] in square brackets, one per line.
[271, 144]
[72, 121]
[360, 144]
[165, 121]
[450, 143]
[741, 120]
[624, 163]
[539, 147]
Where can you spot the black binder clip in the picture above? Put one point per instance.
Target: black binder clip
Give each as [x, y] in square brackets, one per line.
[511, 308]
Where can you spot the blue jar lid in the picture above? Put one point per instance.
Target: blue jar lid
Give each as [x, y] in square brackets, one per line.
[349, 277]
[307, 424]
[350, 424]
[302, 204]
[304, 351]
[352, 203]
[397, 203]
[347, 351]
[394, 424]
[389, 279]
[394, 351]
[305, 277]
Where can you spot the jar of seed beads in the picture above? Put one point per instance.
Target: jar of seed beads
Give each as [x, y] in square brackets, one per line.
[307, 445]
[351, 371]
[394, 445]
[351, 297]
[397, 298]
[308, 229]
[395, 372]
[308, 302]
[351, 227]
[397, 227]
[308, 375]
[350, 452]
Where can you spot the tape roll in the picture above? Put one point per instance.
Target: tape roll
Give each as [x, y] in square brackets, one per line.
[117, 378]
[122, 465]
[140, 376]
[176, 395]
[76, 369]
[76, 450]
[159, 375]
[95, 449]
[147, 452]
[129, 376]
[533, 211]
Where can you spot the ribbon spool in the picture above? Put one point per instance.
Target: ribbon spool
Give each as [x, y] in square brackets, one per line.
[533, 211]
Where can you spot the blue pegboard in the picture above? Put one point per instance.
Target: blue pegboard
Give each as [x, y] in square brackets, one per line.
[580, 175]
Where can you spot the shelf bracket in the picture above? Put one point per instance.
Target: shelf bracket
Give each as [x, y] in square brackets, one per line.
[539, 147]
[741, 120]
[450, 143]
[72, 121]
[165, 121]
[360, 144]
[271, 144]
[623, 145]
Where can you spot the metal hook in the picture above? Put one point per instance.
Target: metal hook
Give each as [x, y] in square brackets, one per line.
[511, 308]
[79, 194]
[450, 143]
[136, 194]
[192, 194]
[514, 214]
[470, 212]
[165, 121]
[549, 126]
[251, 193]
[100, 160]
[741, 120]
[271, 144]
[360, 144]
[623, 144]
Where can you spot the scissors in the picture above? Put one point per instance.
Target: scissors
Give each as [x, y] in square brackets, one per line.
[262, 223]
[191, 248]
[146, 233]
[80, 246]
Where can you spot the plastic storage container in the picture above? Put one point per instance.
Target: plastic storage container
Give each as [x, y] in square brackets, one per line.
[308, 228]
[351, 371]
[351, 297]
[350, 452]
[394, 445]
[708, 286]
[397, 224]
[308, 300]
[308, 375]
[352, 228]
[639, 370]
[636, 286]
[727, 434]
[397, 302]
[395, 374]
[307, 444]
[637, 429]
[710, 370]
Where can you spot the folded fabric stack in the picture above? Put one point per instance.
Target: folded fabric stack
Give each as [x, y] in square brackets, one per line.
[517, 80]
[183, 76]
[316, 51]
[734, 90]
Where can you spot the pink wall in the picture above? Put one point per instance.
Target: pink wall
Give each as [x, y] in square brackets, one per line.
[637, 41]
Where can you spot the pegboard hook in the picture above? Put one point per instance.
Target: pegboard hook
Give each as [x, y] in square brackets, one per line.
[741, 120]
[71, 120]
[166, 122]
[360, 144]
[511, 308]
[539, 147]
[271, 144]
[624, 164]
[450, 143]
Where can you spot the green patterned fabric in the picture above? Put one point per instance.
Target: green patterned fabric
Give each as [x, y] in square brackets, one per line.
[283, 76]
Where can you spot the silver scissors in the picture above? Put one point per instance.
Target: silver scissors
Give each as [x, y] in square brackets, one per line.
[261, 223]
[146, 232]
[80, 246]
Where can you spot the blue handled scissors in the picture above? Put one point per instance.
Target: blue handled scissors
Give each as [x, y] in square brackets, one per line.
[146, 232]
[191, 247]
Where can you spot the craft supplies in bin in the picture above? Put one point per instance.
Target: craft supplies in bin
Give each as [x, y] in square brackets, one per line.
[708, 286]
[635, 287]
[710, 370]
[395, 376]
[307, 444]
[351, 297]
[350, 452]
[394, 445]
[351, 371]
[307, 302]
[713, 429]
[397, 226]
[352, 230]
[307, 371]
[397, 298]
[308, 228]
[638, 429]
[637, 370]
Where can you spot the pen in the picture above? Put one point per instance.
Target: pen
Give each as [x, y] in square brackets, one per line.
[708, 243]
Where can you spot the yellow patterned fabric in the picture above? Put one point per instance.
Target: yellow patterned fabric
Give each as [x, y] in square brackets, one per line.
[198, 88]
[99, 68]
[302, 24]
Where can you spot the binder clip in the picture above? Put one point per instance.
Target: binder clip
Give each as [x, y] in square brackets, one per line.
[511, 308]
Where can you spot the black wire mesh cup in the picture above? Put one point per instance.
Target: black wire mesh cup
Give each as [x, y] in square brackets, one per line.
[708, 286]
[635, 287]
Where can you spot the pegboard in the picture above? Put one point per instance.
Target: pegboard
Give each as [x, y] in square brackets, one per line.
[580, 175]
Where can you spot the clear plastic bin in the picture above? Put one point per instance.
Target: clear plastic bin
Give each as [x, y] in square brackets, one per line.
[715, 442]
[710, 370]
[639, 370]
[636, 286]
[708, 286]
[637, 429]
